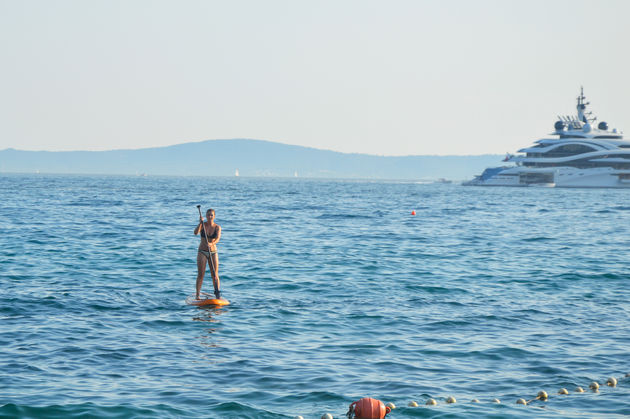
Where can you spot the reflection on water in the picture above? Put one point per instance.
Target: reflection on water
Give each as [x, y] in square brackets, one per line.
[209, 315]
[206, 314]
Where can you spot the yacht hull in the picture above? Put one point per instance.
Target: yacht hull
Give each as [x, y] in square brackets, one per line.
[559, 177]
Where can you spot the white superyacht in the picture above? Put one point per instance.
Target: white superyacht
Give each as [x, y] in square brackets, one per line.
[582, 156]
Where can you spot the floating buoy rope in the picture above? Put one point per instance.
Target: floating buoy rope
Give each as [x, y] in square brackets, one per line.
[369, 408]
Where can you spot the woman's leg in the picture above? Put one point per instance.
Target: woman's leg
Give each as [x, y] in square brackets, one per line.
[201, 270]
[215, 274]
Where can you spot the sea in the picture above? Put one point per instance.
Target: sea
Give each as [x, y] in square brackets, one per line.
[337, 293]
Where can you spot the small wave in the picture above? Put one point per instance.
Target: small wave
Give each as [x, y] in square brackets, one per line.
[537, 239]
[89, 410]
[238, 410]
[441, 324]
[328, 216]
[579, 276]
[436, 290]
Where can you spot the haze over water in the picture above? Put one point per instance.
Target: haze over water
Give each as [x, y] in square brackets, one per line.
[337, 293]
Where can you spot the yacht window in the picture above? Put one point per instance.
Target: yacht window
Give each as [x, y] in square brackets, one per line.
[586, 163]
[535, 178]
[569, 150]
[533, 155]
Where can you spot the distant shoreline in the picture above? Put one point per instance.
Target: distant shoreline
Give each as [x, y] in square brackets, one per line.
[248, 158]
[237, 178]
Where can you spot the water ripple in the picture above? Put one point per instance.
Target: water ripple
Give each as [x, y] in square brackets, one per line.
[337, 293]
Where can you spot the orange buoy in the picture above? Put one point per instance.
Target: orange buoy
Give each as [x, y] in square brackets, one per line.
[368, 408]
[413, 212]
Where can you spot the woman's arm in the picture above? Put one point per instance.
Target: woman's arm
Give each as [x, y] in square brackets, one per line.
[199, 226]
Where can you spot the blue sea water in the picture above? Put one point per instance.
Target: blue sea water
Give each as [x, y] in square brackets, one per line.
[337, 293]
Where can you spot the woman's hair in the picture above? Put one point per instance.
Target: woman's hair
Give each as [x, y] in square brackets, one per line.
[210, 210]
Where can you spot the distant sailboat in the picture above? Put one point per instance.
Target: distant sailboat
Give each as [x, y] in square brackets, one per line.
[236, 173]
[295, 174]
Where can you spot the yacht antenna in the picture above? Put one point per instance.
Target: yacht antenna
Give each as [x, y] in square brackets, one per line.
[581, 106]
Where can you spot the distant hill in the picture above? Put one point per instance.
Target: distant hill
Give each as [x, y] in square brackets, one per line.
[250, 157]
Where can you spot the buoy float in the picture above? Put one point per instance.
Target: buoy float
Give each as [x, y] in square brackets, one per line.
[413, 212]
[368, 408]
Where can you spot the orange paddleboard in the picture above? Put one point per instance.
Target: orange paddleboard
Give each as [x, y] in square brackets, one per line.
[205, 301]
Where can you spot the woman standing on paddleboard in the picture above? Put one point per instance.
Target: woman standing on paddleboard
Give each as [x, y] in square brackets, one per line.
[207, 252]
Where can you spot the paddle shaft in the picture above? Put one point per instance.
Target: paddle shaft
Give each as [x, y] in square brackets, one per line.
[203, 225]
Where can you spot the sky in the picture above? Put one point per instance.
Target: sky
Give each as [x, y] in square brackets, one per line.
[395, 77]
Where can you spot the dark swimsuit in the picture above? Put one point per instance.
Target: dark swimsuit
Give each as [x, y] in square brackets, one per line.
[203, 236]
[214, 236]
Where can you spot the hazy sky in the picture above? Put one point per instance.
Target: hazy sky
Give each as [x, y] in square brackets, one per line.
[381, 77]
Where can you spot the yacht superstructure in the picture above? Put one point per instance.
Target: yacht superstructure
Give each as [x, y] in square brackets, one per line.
[581, 155]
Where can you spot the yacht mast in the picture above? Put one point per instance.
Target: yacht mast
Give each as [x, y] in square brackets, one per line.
[581, 107]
